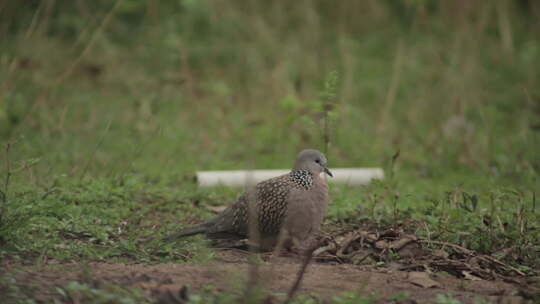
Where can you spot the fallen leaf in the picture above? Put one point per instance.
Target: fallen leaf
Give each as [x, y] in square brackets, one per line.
[400, 243]
[440, 253]
[411, 250]
[372, 236]
[469, 276]
[382, 244]
[422, 279]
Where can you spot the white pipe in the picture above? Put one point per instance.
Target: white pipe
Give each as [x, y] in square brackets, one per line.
[242, 178]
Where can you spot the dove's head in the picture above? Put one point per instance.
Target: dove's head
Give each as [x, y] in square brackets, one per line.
[313, 161]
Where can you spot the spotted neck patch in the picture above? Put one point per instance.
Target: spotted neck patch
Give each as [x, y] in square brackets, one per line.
[302, 178]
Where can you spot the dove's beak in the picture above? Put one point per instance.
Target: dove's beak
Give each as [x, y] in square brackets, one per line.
[328, 172]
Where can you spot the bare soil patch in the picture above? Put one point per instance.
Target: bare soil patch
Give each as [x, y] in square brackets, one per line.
[165, 281]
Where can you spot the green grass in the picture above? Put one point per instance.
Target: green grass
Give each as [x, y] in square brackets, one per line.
[126, 219]
[113, 220]
[109, 111]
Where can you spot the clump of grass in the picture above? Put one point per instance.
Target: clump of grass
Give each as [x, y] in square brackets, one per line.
[4, 192]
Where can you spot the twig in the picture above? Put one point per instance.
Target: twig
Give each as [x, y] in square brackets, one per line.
[253, 276]
[392, 90]
[301, 272]
[8, 170]
[326, 131]
[533, 202]
[254, 243]
[324, 249]
[4, 193]
[346, 243]
[463, 249]
[328, 95]
[91, 158]
[106, 20]
[470, 252]
[494, 260]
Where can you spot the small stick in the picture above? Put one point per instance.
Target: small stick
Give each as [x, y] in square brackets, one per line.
[254, 243]
[4, 193]
[301, 272]
[470, 252]
[465, 250]
[494, 260]
[91, 158]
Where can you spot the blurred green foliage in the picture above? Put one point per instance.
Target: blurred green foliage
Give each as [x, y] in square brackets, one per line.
[451, 84]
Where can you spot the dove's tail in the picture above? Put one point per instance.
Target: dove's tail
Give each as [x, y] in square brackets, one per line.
[186, 232]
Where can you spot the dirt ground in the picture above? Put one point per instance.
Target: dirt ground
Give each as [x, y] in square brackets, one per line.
[230, 271]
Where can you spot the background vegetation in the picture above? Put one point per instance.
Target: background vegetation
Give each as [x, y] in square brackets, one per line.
[107, 108]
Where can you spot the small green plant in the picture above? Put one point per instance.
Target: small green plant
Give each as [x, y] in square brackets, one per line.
[446, 299]
[401, 297]
[80, 292]
[12, 293]
[328, 106]
[353, 298]
[478, 300]
[4, 191]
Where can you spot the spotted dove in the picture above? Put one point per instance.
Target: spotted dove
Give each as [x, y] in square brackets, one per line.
[288, 208]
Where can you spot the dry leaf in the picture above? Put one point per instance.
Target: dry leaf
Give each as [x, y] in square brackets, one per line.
[469, 276]
[382, 244]
[440, 253]
[411, 250]
[422, 279]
